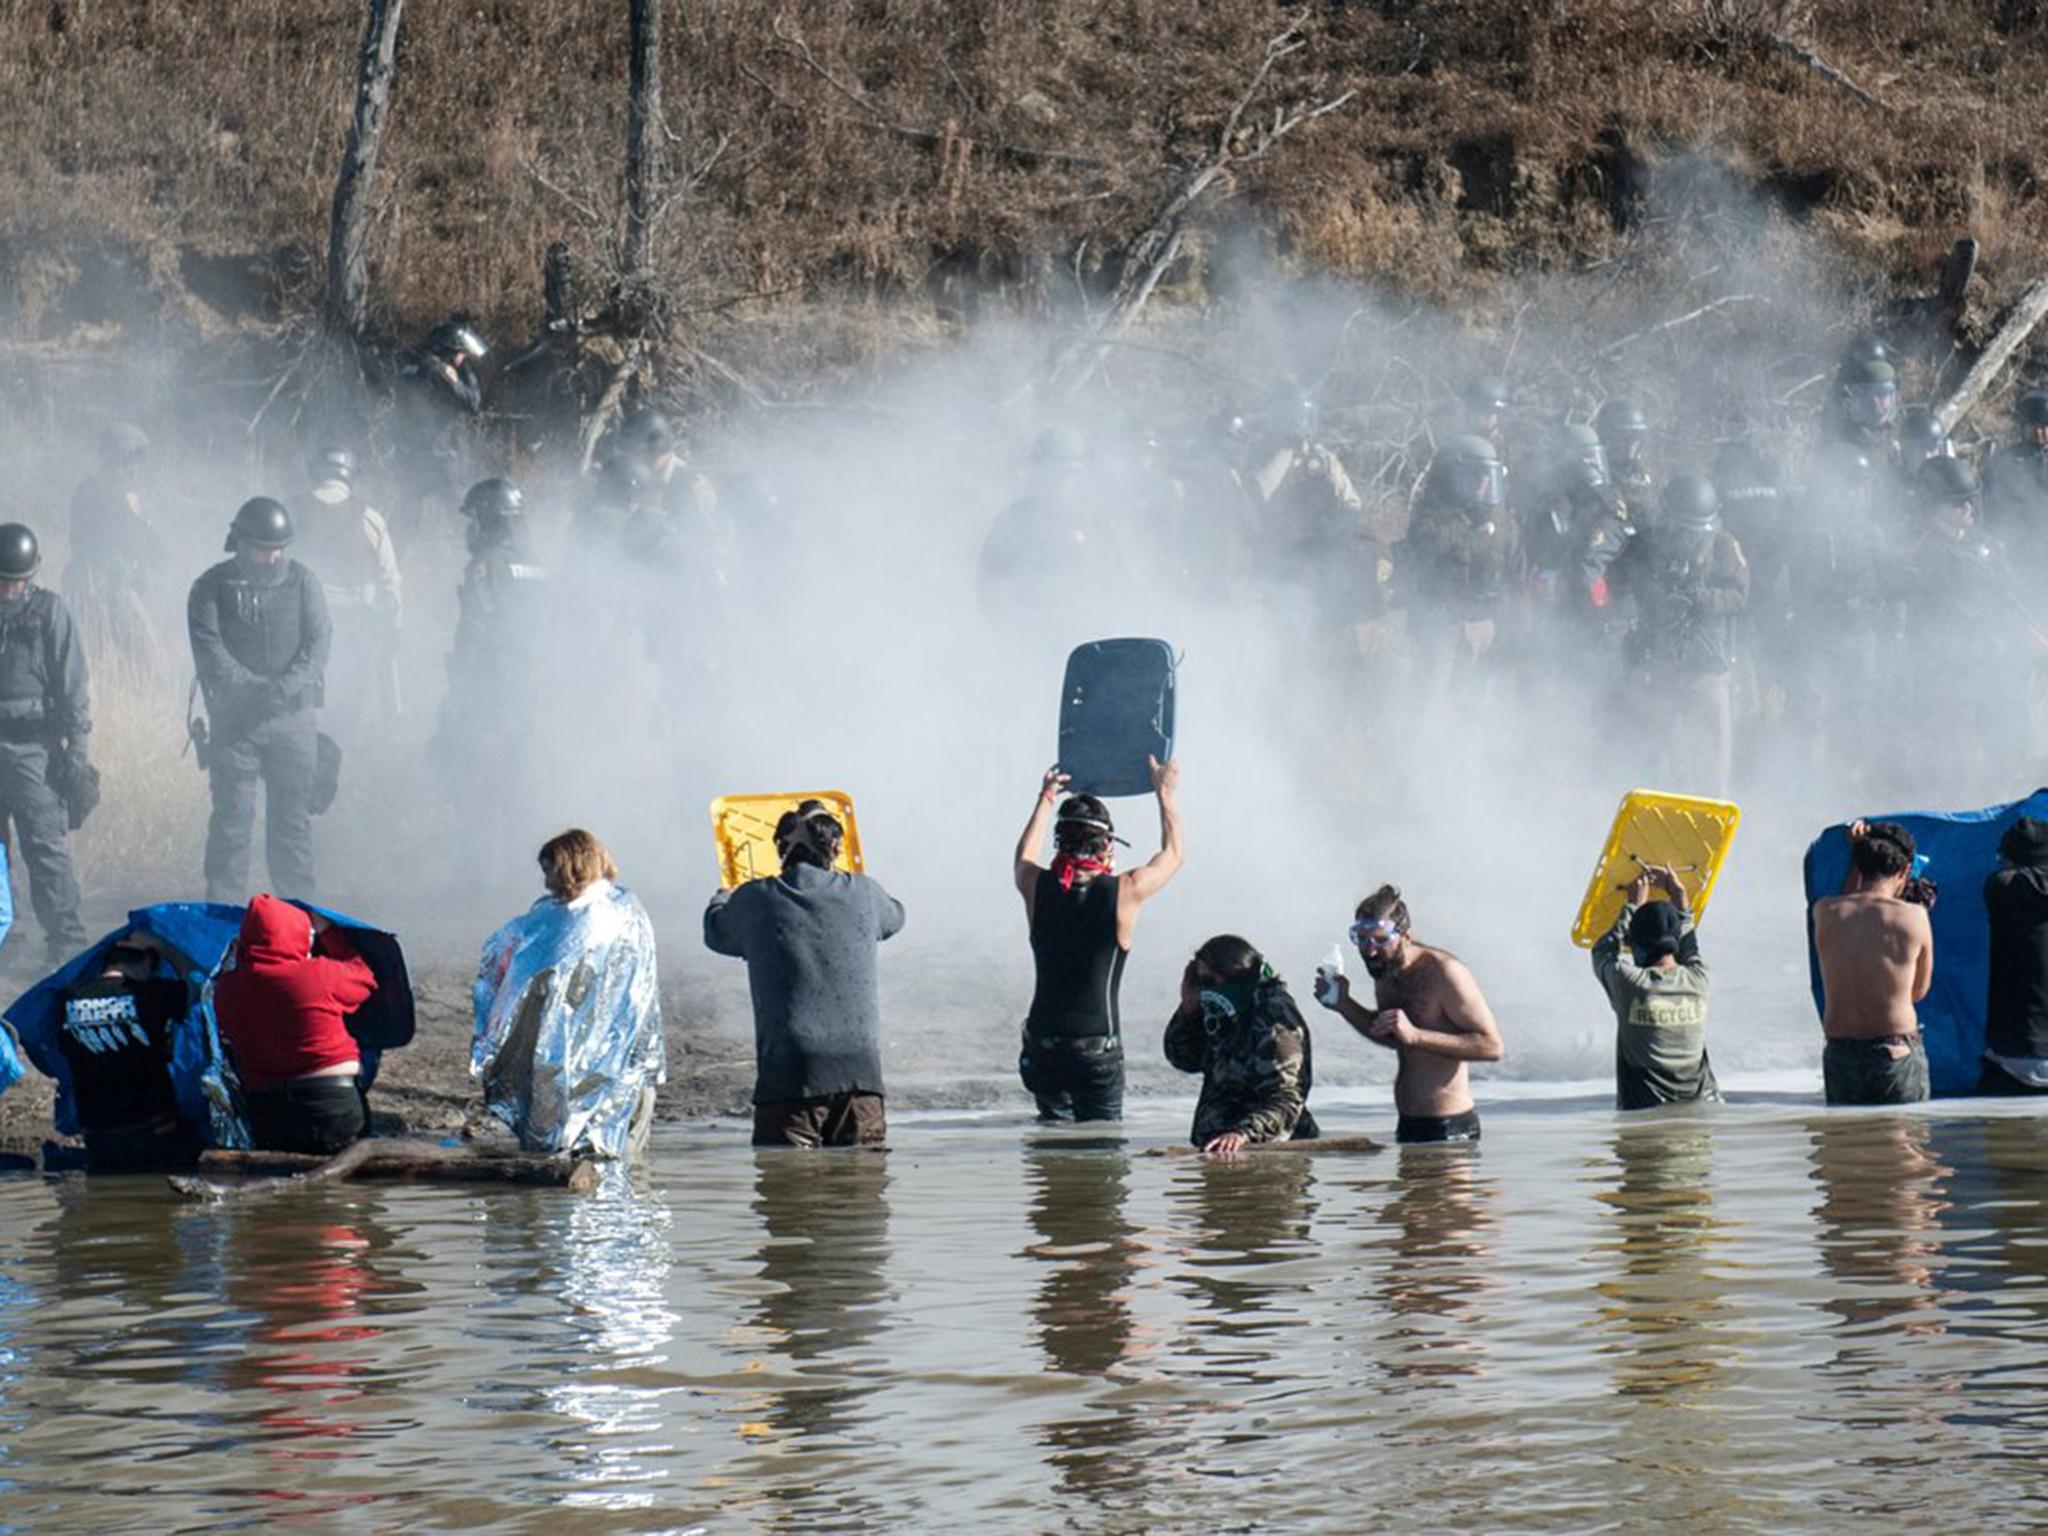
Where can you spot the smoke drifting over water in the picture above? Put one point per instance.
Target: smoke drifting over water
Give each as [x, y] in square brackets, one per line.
[849, 646]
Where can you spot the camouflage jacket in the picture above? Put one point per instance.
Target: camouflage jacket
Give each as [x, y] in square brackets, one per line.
[1256, 1070]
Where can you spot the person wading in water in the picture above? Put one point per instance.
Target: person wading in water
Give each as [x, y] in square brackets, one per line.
[1082, 915]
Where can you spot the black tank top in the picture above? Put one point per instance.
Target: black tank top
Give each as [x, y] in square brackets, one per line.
[1080, 964]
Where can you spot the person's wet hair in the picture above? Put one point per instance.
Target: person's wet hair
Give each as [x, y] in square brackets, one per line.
[573, 862]
[1230, 957]
[810, 834]
[1385, 903]
[1082, 827]
[1655, 931]
[1885, 849]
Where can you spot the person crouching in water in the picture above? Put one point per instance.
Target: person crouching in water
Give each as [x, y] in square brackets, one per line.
[117, 1044]
[1876, 952]
[1237, 1026]
[808, 936]
[1082, 915]
[282, 1010]
[2016, 1015]
[569, 1041]
[1659, 993]
[1430, 1013]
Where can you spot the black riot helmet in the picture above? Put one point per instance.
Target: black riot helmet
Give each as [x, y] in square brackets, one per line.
[647, 433]
[20, 555]
[1870, 392]
[1690, 505]
[2032, 408]
[260, 523]
[1580, 444]
[625, 481]
[456, 335]
[123, 443]
[1922, 436]
[1946, 482]
[1623, 426]
[1485, 396]
[493, 499]
[330, 464]
[1867, 348]
[1468, 474]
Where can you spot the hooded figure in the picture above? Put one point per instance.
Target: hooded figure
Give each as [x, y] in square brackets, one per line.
[2016, 1010]
[282, 1002]
[569, 1041]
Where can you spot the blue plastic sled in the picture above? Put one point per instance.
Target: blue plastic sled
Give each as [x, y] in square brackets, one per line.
[1959, 851]
[196, 936]
[1116, 710]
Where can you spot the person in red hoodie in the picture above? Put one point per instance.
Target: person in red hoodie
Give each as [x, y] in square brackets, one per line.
[281, 1010]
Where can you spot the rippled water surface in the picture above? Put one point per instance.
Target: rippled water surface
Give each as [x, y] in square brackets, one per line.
[1764, 1318]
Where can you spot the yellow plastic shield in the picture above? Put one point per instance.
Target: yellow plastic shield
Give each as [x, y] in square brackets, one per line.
[744, 828]
[1689, 834]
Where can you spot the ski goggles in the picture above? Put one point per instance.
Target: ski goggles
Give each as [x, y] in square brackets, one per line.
[1375, 934]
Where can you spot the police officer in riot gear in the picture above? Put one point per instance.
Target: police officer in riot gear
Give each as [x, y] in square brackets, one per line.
[494, 686]
[1052, 552]
[439, 399]
[1461, 551]
[345, 541]
[1921, 437]
[1624, 431]
[2017, 494]
[47, 785]
[1690, 585]
[116, 550]
[260, 635]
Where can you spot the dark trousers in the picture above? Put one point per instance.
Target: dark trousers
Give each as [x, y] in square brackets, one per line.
[1994, 1079]
[308, 1114]
[1866, 1071]
[281, 752]
[141, 1148]
[836, 1120]
[42, 839]
[1080, 1079]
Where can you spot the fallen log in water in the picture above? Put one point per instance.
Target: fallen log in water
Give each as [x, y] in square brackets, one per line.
[1317, 1144]
[267, 1173]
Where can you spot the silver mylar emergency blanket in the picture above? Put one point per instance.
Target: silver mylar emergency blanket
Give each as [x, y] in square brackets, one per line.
[568, 1022]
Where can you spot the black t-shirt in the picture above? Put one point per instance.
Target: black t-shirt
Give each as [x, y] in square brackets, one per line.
[117, 1042]
[1080, 965]
[2016, 1018]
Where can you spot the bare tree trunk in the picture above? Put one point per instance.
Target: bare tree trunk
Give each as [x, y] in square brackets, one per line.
[643, 131]
[2027, 312]
[348, 277]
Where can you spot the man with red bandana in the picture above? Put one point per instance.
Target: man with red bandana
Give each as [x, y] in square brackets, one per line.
[282, 1008]
[1082, 915]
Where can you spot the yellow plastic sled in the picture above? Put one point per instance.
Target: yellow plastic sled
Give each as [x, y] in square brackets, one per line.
[744, 827]
[1690, 834]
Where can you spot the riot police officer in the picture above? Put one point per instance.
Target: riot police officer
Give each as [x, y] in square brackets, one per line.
[1461, 550]
[116, 550]
[1052, 552]
[1623, 427]
[439, 399]
[260, 636]
[2017, 496]
[345, 541]
[47, 785]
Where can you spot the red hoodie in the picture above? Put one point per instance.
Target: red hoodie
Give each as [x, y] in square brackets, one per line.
[282, 1006]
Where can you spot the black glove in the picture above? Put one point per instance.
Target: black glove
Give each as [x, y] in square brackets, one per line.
[78, 786]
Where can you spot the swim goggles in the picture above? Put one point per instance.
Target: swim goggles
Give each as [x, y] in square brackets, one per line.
[1375, 933]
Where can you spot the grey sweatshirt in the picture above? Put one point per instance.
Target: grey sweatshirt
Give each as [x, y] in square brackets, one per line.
[808, 936]
[1660, 1054]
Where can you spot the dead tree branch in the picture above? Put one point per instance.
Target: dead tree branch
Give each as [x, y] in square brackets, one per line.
[607, 406]
[348, 276]
[2027, 312]
[1622, 344]
[644, 132]
[1800, 54]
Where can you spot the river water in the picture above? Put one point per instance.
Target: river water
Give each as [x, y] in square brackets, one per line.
[1763, 1317]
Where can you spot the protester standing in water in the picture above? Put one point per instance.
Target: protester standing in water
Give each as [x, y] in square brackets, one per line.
[808, 936]
[1082, 915]
[1430, 1013]
[2016, 1015]
[1659, 992]
[1876, 952]
[1239, 1028]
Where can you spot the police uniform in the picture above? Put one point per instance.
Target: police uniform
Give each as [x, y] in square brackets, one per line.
[259, 645]
[45, 717]
[1256, 1068]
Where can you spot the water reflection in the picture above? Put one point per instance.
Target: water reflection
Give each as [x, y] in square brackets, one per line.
[1443, 1224]
[1882, 1195]
[1252, 1214]
[1662, 1308]
[1083, 1311]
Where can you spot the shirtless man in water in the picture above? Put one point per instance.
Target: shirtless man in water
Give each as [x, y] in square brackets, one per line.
[1430, 1013]
[1876, 951]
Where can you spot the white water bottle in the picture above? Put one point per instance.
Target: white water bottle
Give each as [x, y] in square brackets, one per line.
[1328, 975]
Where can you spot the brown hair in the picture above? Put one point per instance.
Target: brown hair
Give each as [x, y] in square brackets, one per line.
[1385, 902]
[573, 862]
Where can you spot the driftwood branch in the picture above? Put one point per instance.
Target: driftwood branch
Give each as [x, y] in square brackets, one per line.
[348, 276]
[1800, 54]
[259, 1175]
[2019, 323]
[1616, 347]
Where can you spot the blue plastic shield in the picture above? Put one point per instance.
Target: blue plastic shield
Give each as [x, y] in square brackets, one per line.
[1960, 852]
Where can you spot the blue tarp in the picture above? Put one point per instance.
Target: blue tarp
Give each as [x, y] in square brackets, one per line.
[1960, 852]
[197, 935]
[11, 1069]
